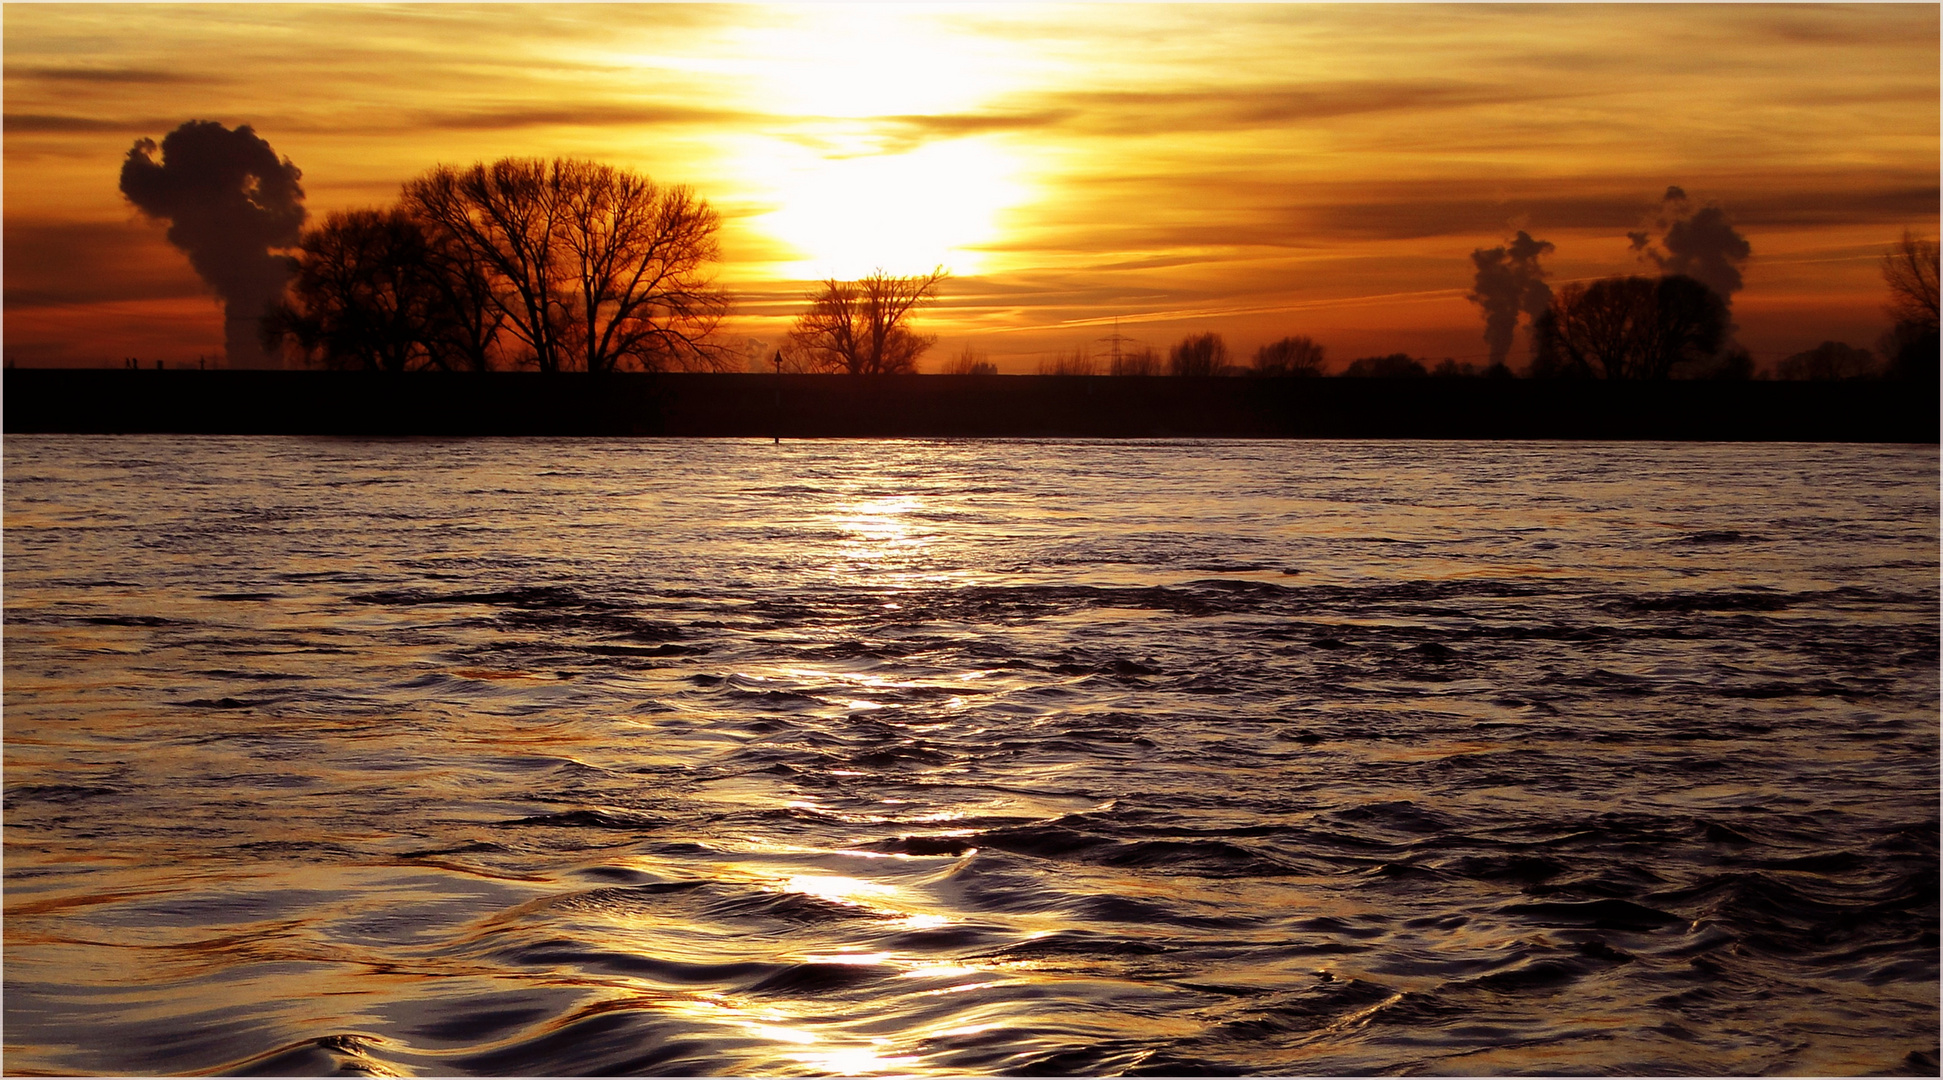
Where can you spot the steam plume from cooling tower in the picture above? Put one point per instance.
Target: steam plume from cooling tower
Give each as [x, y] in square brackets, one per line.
[1509, 281]
[1697, 241]
[228, 200]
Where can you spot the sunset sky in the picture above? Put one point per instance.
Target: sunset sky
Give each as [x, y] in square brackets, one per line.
[1257, 170]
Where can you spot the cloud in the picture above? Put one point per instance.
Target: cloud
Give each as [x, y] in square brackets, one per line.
[110, 76]
[514, 117]
[24, 123]
[957, 125]
[1150, 213]
[1156, 112]
[1913, 199]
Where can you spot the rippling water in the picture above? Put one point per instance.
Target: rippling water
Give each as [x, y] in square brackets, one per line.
[969, 757]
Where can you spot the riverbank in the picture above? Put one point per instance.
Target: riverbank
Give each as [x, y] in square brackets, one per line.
[823, 406]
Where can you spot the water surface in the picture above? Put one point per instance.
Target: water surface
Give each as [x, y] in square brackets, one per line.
[585, 756]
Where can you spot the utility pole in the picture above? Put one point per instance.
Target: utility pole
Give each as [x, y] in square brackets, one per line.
[777, 428]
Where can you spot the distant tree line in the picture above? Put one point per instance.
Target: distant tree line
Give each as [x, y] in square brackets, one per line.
[1625, 327]
[1202, 354]
[573, 265]
[560, 265]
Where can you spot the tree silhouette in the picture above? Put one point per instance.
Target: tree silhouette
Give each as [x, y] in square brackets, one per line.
[1141, 361]
[636, 258]
[500, 218]
[586, 266]
[1829, 360]
[1630, 327]
[465, 331]
[1198, 354]
[971, 362]
[1077, 362]
[862, 327]
[1910, 270]
[362, 296]
[1299, 356]
[1393, 366]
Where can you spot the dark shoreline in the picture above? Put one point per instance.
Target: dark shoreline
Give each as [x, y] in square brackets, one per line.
[953, 406]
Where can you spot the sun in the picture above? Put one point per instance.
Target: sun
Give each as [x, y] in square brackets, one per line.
[857, 174]
[905, 213]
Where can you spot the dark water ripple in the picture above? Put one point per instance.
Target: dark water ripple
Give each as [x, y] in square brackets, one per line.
[582, 757]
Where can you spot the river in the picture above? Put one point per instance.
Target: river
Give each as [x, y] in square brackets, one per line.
[960, 757]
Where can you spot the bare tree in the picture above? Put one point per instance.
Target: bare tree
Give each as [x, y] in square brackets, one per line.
[1688, 329]
[1910, 270]
[585, 265]
[466, 324]
[1141, 361]
[971, 362]
[1077, 362]
[1630, 327]
[363, 295]
[634, 257]
[502, 218]
[1299, 356]
[1911, 346]
[1593, 328]
[1198, 354]
[862, 327]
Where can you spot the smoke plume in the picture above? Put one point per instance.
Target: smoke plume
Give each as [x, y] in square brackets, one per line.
[1509, 281]
[1697, 241]
[228, 200]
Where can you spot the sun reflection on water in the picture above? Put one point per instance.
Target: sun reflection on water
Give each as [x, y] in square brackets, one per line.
[876, 528]
[855, 1060]
[844, 890]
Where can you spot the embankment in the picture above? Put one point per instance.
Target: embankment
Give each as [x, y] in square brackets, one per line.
[816, 406]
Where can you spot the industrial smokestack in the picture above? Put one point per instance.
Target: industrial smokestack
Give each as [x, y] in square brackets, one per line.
[1698, 242]
[228, 200]
[1509, 281]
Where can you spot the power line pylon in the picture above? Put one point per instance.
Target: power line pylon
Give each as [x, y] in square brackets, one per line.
[1114, 341]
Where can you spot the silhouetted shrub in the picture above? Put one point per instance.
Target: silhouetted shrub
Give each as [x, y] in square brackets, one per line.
[1291, 356]
[1136, 362]
[1076, 362]
[970, 362]
[1829, 360]
[1393, 366]
[1199, 354]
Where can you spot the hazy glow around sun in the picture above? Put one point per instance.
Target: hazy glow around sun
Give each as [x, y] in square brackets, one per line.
[903, 212]
[869, 60]
[855, 184]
